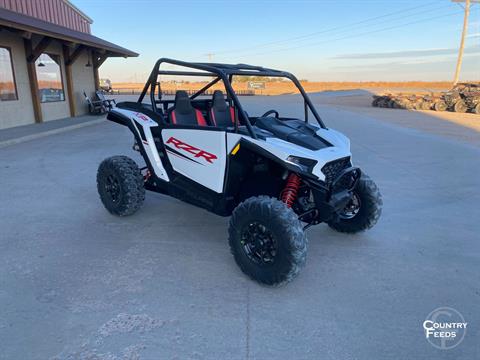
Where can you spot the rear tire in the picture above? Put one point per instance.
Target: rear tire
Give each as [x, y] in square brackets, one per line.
[369, 201]
[267, 240]
[120, 185]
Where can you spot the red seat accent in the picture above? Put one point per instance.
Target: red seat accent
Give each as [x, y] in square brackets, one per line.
[212, 116]
[198, 115]
[221, 114]
[200, 119]
[232, 114]
[183, 113]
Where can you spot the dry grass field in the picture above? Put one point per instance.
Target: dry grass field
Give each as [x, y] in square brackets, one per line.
[286, 87]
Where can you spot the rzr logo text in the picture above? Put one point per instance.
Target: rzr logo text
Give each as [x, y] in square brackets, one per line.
[143, 117]
[199, 153]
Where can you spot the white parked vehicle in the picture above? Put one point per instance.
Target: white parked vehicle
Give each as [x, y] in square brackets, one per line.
[275, 176]
[106, 85]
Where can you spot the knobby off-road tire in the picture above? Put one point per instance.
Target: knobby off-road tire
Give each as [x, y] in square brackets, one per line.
[476, 109]
[392, 104]
[418, 105]
[120, 185]
[408, 105]
[460, 106]
[398, 105]
[440, 106]
[426, 105]
[368, 213]
[382, 103]
[286, 232]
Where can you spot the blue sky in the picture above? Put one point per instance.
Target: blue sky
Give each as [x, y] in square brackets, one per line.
[318, 40]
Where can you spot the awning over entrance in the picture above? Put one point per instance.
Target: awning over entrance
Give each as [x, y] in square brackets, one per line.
[32, 25]
[38, 35]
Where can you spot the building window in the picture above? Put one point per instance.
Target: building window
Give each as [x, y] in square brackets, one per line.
[8, 89]
[49, 77]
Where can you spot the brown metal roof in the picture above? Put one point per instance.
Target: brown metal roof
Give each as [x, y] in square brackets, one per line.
[60, 12]
[36, 26]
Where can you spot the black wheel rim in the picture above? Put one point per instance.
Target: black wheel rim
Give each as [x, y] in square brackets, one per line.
[112, 188]
[259, 244]
[352, 208]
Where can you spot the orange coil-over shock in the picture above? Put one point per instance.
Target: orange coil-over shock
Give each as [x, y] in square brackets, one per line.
[290, 191]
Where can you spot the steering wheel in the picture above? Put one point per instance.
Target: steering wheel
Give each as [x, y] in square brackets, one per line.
[277, 115]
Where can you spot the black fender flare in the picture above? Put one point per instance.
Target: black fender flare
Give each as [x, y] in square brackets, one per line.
[137, 132]
[250, 146]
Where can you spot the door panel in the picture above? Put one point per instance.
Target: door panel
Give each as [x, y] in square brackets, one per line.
[200, 155]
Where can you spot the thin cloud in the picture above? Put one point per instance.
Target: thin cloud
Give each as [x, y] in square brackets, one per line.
[474, 35]
[402, 54]
[397, 65]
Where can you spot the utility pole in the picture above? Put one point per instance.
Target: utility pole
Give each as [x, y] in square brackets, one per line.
[462, 41]
[210, 58]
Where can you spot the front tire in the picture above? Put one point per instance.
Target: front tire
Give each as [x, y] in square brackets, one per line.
[267, 240]
[426, 105]
[418, 105]
[120, 185]
[460, 107]
[440, 106]
[363, 211]
[382, 102]
[476, 109]
[408, 105]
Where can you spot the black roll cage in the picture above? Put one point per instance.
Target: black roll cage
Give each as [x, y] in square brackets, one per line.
[225, 73]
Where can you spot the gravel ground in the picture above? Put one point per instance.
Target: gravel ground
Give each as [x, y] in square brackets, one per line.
[79, 283]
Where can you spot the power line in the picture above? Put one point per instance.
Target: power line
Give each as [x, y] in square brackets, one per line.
[389, 21]
[309, 35]
[352, 36]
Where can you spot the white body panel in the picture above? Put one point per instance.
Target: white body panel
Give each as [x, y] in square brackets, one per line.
[200, 155]
[146, 123]
[334, 137]
[283, 149]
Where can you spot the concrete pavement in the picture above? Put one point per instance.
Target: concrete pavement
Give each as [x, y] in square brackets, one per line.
[79, 283]
[24, 133]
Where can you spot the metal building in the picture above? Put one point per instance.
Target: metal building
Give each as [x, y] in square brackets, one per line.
[48, 58]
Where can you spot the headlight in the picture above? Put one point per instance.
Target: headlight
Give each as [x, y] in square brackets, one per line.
[305, 164]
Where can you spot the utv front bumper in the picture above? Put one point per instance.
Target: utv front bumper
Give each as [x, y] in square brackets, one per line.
[333, 197]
